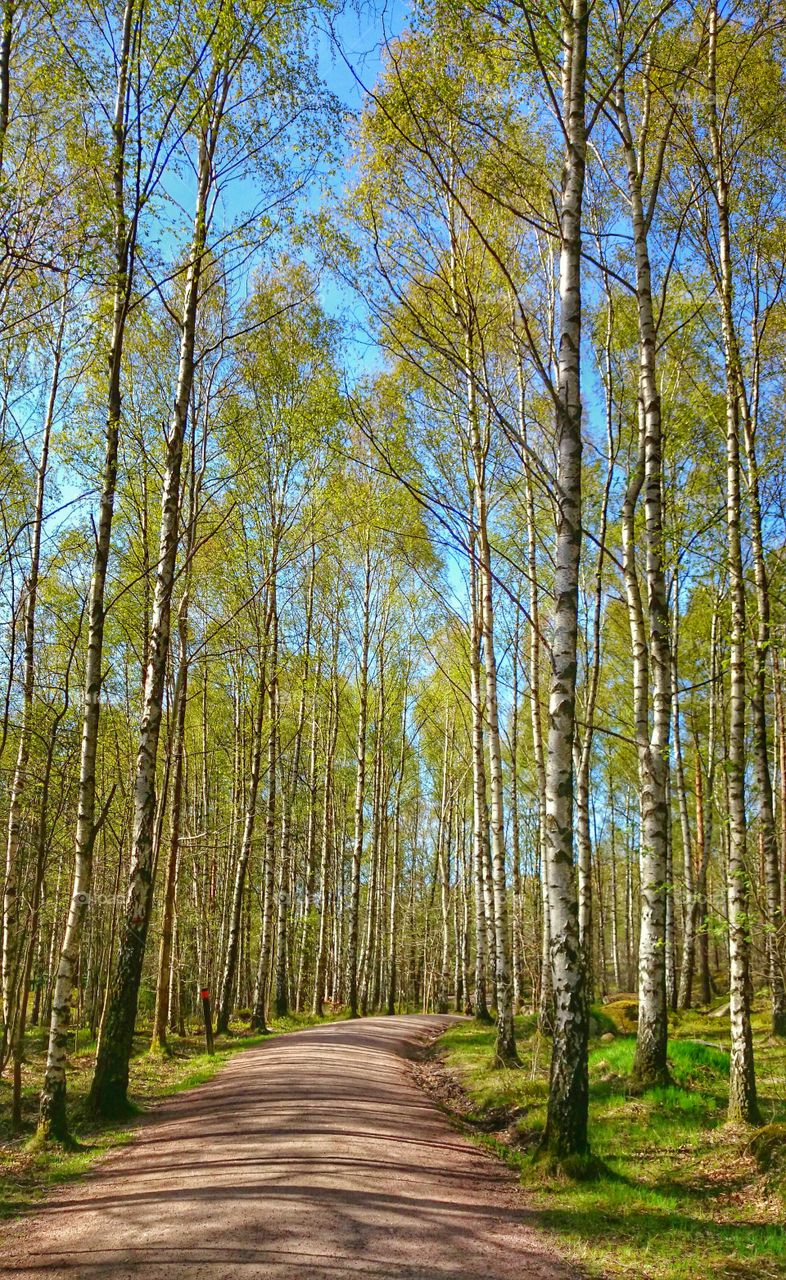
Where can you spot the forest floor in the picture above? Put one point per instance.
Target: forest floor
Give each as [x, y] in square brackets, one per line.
[27, 1174]
[314, 1155]
[681, 1195]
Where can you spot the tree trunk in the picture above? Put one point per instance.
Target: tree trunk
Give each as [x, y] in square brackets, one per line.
[566, 1123]
[545, 1003]
[743, 1104]
[360, 793]
[53, 1122]
[288, 800]
[6, 44]
[397, 867]
[161, 1014]
[443, 867]
[780, 720]
[584, 738]
[651, 653]
[327, 826]
[505, 1048]
[515, 828]
[259, 1012]
[615, 950]
[14, 996]
[688, 965]
[235, 915]
[479, 808]
[307, 938]
[108, 1093]
[761, 760]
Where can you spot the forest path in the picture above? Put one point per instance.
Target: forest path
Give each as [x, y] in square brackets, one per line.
[314, 1156]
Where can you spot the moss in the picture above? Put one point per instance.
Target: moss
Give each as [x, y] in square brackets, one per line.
[575, 1168]
[623, 1014]
[600, 1023]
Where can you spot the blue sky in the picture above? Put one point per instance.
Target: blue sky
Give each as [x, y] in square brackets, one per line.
[351, 60]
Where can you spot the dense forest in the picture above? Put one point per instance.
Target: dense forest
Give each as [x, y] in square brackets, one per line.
[392, 581]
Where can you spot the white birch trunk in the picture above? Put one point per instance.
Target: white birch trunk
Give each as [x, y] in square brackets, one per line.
[360, 792]
[743, 1105]
[53, 1122]
[566, 1124]
[650, 642]
[108, 1094]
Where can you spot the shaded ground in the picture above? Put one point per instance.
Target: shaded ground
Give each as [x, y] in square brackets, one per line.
[29, 1172]
[313, 1156]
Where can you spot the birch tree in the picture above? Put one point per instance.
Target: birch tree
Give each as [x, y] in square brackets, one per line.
[53, 1122]
[566, 1126]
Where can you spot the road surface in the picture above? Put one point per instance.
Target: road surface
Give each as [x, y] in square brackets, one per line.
[315, 1156]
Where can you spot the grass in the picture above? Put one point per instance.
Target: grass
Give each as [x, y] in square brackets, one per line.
[28, 1172]
[680, 1195]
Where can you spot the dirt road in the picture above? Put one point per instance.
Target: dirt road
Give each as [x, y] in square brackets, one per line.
[313, 1156]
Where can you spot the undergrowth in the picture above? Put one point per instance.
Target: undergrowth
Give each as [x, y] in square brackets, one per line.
[676, 1194]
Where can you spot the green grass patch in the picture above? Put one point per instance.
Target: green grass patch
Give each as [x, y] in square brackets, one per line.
[679, 1195]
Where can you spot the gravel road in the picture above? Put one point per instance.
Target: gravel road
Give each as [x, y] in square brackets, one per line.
[315, 1156]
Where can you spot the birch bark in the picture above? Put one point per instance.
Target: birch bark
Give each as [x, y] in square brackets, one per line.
[108, 1093]
[241, 869]
[479, 806]
[327, 845]
[165, 955]
[396, 869]
[11, 932]
[545, 995]
[259, 1012]
[743, 1105]
[776, 935]
[360, 792]
[650, 638]
[52, 1120]
[282, 939]
[566, 1124]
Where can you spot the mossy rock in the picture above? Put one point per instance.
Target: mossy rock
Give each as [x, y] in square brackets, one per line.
[599, 1022]
[768, 1148]
[623, 1014]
